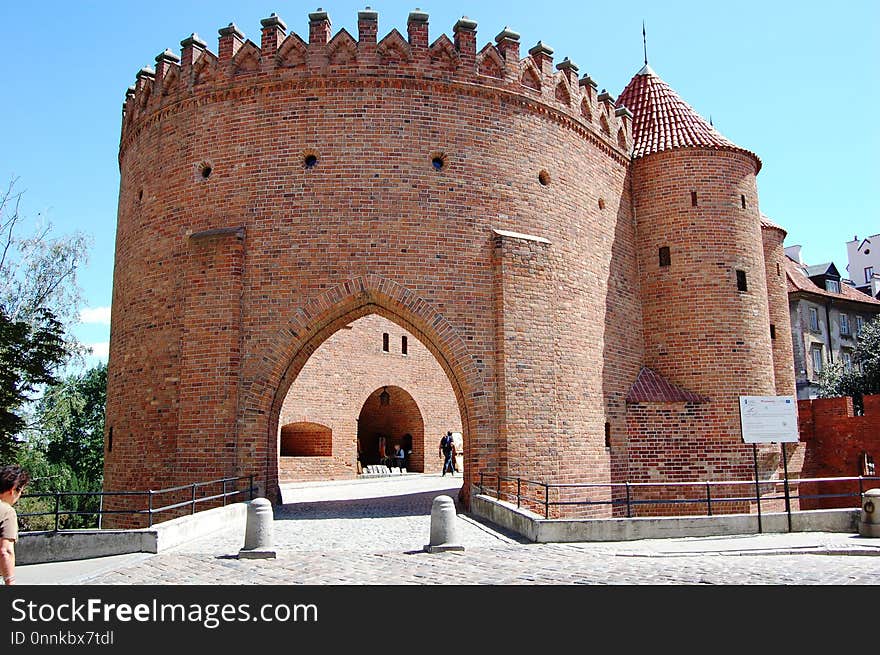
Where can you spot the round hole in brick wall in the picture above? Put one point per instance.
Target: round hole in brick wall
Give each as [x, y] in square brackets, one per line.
[601, 203]
[438, 161]
[310, 160]
[544, 178]
[205, 170]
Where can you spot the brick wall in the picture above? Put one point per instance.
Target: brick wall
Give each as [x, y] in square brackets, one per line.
[835, 440]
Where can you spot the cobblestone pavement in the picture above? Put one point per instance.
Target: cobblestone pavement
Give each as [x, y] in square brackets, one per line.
[372, 532]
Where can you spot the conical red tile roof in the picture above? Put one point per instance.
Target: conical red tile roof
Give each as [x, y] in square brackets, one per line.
[663, 121]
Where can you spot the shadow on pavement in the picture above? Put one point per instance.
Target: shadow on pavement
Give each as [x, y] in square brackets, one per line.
[413, 504]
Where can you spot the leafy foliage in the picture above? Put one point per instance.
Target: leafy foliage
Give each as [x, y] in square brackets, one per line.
[66, 452]
[47, 478]
[53, 428]
[38, 271]
[71, 419]
[30, 354]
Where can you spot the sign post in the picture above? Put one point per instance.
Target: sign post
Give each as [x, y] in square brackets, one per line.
[769, 419]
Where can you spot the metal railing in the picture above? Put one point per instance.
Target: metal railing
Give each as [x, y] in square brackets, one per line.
[149, 510]
[539, 493]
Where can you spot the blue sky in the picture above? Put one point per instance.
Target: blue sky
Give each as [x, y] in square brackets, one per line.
[795, 82]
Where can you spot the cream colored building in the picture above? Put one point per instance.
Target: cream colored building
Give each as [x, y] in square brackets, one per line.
[827, 315]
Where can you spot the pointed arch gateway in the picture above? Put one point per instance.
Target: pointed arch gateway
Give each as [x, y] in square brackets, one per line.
[315, 321]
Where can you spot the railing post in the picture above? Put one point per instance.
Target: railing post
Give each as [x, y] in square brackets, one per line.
[150, 514]
[498, 487]
[861, 491]
[193, 501]
[251, 485]
[224, 492]
[708, 498]
[546, 501]
[57, 506]
[628, 507]
[481, 483]
[518, 481]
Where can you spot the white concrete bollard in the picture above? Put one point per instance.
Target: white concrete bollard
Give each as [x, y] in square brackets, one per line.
[869, 521]
[444, 533]
[258, 532]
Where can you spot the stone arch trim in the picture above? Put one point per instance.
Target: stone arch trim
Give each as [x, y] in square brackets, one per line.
[317, 319]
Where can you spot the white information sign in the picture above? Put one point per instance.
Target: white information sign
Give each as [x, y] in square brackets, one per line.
[768, 419]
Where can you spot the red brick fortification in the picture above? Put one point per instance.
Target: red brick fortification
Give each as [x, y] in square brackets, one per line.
[481, 202]
[274, 194]
[837, 439]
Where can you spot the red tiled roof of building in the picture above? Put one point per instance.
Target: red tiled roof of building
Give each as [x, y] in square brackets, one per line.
[798, 280]
[651, 387]
[663, 121]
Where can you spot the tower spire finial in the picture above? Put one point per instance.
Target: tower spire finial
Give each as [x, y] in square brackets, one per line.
[645, 42]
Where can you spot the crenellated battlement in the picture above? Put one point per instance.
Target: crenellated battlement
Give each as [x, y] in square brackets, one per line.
[286, 58]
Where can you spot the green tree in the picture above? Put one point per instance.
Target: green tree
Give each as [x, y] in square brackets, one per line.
[39, 302]
[38, 270]
[70, 416]
[30, 354]
[75, 511]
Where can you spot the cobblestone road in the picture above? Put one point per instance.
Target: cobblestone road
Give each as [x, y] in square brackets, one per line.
[372, 532]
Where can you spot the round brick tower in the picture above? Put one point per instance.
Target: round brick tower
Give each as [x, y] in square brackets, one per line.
[777, 297]
[702, 271]
[274, 193]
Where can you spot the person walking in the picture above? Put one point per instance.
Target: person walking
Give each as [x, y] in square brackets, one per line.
[399, 457]
[12, 480]
[447, 451]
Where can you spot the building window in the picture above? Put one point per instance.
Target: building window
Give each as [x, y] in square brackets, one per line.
[844, 324]
[817, 360]
[860, 323]
[403, 344]
[869, 273]
[741, 281]
[385, 342]
[607, 435]
[832, 285]
[814, 319]
[665, 257]
[772, 331]
[846, 357]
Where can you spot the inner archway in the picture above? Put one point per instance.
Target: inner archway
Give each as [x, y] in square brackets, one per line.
[340, 390]
[390, 417]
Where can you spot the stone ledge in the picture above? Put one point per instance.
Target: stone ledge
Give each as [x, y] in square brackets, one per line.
[69, 545]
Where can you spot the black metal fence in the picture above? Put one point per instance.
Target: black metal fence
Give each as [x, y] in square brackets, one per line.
[194, 494]
[531, 493]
